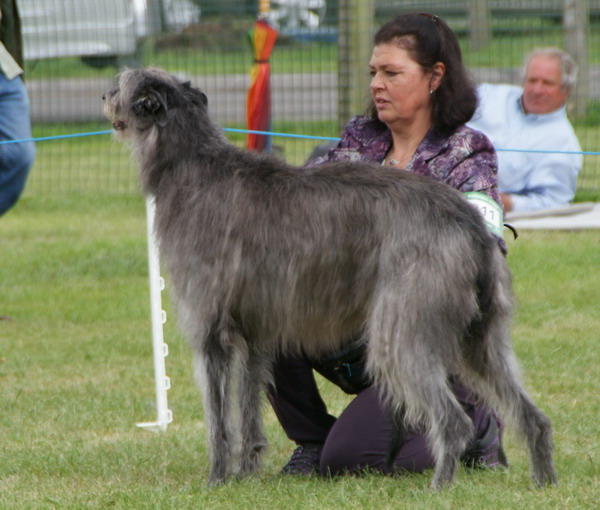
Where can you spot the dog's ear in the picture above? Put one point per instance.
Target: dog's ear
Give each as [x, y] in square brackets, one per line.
[202, 97]
[198, 96]
[152, 104]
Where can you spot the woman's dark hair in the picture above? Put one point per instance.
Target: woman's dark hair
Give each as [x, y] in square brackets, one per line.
[428, 39]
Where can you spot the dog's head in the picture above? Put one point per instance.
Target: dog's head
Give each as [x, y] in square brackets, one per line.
[144, 98]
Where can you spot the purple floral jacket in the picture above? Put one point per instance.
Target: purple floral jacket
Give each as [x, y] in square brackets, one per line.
[465, 160]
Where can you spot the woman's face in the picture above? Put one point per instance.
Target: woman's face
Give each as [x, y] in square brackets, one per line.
[400, 88]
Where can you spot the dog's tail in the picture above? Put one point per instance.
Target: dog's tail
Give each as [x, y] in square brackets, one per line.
[489, 354]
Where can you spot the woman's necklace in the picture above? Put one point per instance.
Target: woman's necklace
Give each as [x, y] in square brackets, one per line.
[391, 161]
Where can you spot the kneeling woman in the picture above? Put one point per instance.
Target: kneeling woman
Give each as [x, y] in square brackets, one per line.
[421, 100]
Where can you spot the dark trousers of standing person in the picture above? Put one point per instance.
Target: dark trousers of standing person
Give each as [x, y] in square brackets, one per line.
[360, 437]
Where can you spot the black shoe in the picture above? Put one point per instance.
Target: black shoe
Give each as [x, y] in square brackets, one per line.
[486, 450]
[304, 461]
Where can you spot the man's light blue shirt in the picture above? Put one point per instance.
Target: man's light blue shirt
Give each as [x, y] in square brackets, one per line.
[534, 180]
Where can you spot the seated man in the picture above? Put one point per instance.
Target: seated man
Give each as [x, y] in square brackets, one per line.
[533, 118]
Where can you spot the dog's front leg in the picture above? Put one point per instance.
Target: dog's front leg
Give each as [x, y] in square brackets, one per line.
[255, 374]
[213, 367]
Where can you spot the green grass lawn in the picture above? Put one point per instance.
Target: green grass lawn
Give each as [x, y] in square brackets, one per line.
[76, 376]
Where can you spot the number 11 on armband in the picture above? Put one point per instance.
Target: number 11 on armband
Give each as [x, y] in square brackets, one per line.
[490, 210]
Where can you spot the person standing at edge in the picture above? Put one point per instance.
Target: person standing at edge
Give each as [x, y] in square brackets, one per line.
[16, 159]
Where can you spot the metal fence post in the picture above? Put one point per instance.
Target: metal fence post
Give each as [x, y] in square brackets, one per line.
[355, 32]
[576, 16]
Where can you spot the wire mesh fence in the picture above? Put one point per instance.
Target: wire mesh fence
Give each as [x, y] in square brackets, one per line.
[74, 48]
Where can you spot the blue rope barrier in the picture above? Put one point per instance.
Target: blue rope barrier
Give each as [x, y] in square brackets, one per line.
[272, 133]
[285, 135]
[56, 137]
[109, 131]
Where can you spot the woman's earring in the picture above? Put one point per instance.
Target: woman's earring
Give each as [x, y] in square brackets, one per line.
[431, 92]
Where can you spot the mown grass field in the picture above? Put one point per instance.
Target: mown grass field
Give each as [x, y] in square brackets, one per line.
[76, 376]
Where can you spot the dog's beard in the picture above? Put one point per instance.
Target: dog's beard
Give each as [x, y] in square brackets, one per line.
[120, 131]
[110, 112]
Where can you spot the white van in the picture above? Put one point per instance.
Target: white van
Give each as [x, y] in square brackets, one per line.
[101, 32]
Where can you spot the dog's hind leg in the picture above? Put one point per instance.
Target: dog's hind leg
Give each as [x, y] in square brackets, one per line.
[449, 429]
[214, 357]
[430, 403]
[407, 356]
[253, 379]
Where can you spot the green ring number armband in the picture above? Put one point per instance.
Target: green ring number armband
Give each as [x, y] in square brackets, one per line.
[490, 210]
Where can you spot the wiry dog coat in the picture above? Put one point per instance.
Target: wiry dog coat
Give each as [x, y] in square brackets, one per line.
[264, 258]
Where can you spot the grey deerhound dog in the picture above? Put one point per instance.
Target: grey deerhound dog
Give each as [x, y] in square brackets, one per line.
[266, 258]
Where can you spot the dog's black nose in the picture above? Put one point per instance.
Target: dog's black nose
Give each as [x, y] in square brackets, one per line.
[103, 97]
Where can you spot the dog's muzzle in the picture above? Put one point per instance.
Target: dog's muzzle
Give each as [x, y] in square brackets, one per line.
[118, 125]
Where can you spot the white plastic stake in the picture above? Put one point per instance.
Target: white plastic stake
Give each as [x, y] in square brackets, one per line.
[158, 316]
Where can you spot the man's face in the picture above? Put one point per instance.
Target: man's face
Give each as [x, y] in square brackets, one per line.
[542, 91]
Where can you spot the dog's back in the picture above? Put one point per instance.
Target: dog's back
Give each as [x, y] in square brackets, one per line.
[322, 237]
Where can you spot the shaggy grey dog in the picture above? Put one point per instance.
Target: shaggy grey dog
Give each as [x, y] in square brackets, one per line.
[266, 258]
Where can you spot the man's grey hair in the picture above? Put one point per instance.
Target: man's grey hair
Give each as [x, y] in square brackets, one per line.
[568, 66]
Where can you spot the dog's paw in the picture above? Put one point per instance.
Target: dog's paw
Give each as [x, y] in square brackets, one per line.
[215, 480]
